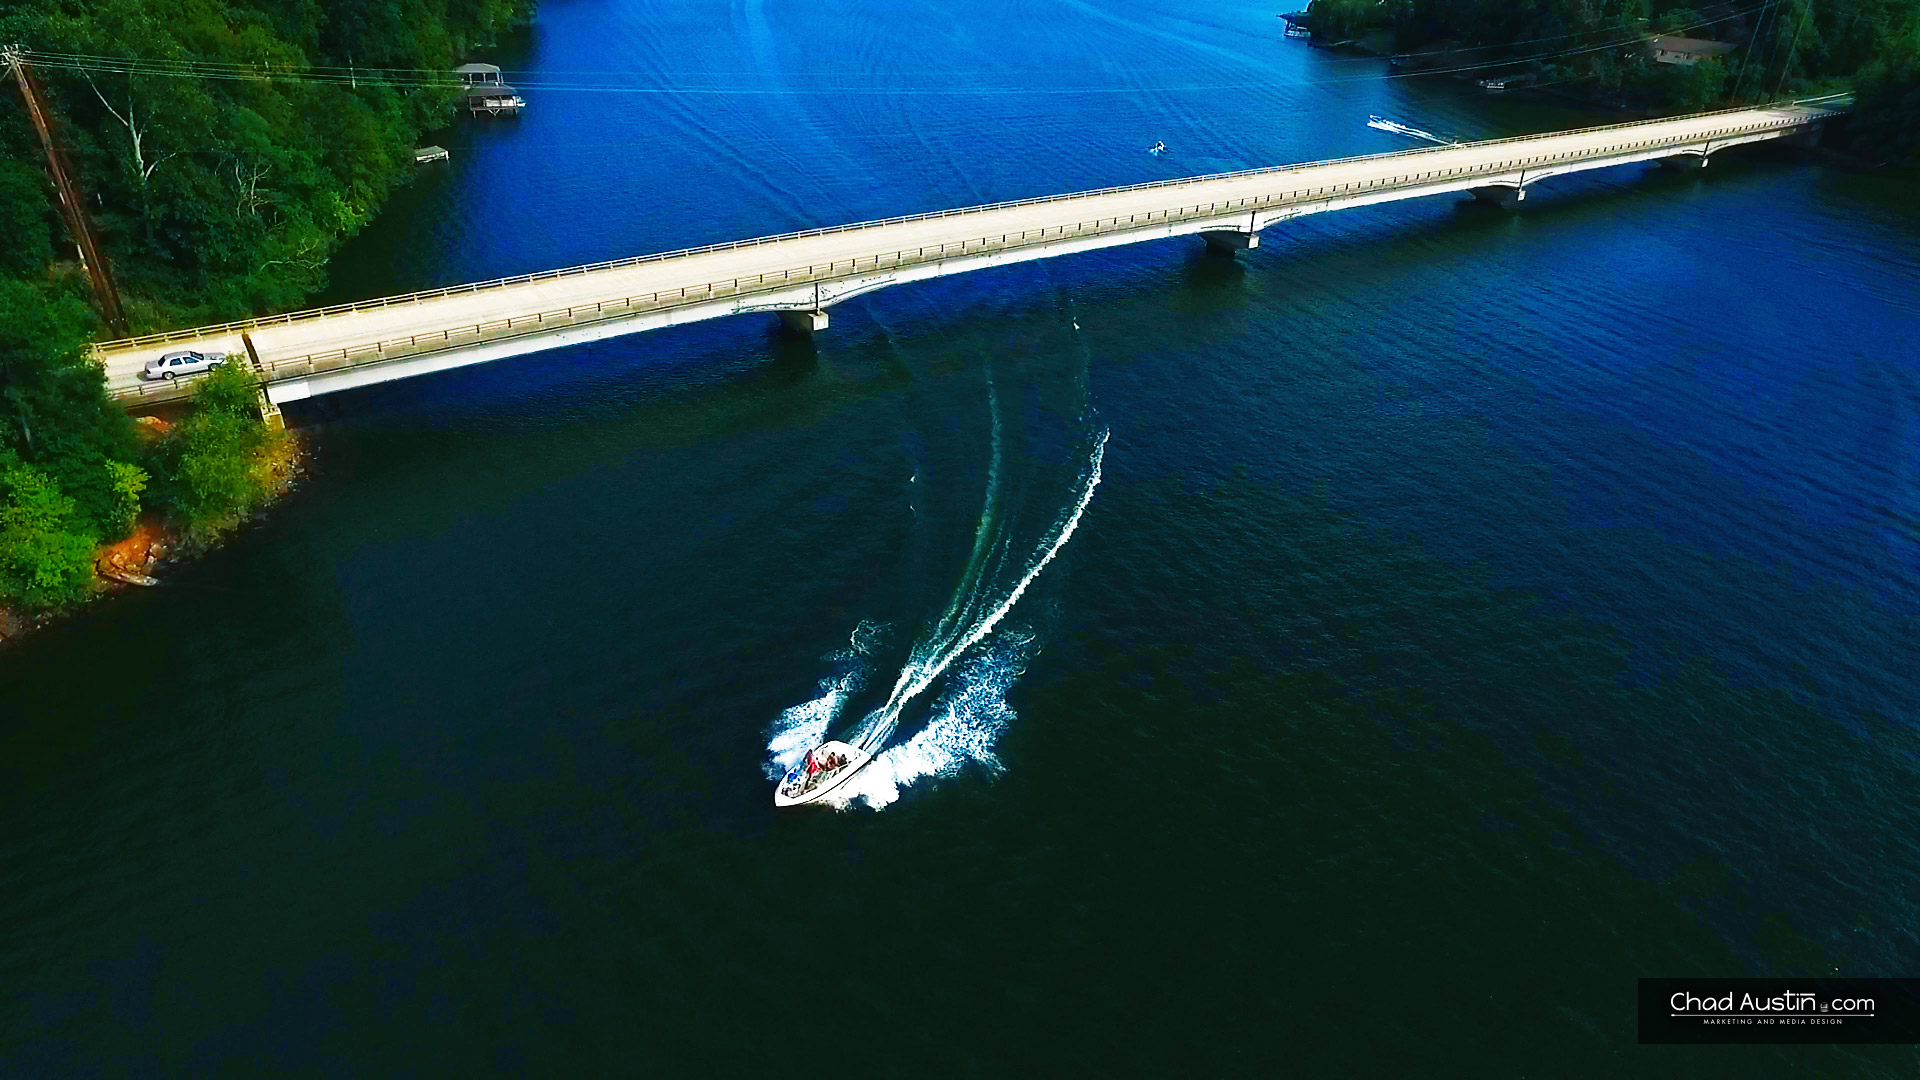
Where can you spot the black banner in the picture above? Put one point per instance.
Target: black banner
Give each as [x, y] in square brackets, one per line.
[1780, 1010]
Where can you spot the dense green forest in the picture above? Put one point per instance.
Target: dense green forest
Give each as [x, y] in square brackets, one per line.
[1593, 47]
[218, 197]
[215, 195]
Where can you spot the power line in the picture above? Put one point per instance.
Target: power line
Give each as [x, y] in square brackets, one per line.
[1792, 48]
[1746, 60]
[414, 78]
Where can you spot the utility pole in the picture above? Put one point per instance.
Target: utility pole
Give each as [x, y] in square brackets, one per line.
[72, 206]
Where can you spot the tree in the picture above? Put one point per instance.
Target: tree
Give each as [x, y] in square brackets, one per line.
[46, 549]
[144, 163]
[217, 454]
[54, 410]
[1692, 87]
[24, 202]
[1682, 21]
[1886, 115]
[224, 197]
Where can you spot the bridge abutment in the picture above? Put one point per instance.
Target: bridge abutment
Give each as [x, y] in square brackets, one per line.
[804, 322]
[1500, 195]
[1228, 241]
[269, 412]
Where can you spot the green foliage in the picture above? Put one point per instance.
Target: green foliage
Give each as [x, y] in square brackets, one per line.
[222, 198]
[46, 548]
[1594, 46]
[1886, 116]
[216, 456]
[214, 198]
[24, 205]
[54, 408]
[1692, 87]
[1343, 20]
[125, 482]
[1680, 21]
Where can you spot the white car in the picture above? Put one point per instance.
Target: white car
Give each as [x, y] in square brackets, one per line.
[185, 362]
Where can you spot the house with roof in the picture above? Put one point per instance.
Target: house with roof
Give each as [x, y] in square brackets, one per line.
[1687, 51]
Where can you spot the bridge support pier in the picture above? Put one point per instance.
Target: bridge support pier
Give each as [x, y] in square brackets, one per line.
[269, 412]
[1227, 241]
[1501, 196]
[804, 322]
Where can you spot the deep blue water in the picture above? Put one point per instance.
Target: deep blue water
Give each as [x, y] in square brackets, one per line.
[1477, 610]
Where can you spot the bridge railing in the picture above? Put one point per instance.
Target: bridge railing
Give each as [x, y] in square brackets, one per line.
[1225, 213]
[220, 329]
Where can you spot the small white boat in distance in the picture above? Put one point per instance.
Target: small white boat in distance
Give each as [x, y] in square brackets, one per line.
[825, 767]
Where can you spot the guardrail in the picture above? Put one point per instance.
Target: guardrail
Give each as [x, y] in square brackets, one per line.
[195, 333]
[1226, 212]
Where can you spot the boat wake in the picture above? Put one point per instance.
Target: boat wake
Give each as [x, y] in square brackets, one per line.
[1402, 129]
[979, 665]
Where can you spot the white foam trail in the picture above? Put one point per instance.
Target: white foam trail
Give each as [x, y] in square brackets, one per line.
[972, 710]
[968, 591]
[922, 669]
[1402, 129]
[963, 726]
[804, 726]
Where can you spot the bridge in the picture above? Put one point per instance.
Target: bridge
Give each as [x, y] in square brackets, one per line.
[801, 275]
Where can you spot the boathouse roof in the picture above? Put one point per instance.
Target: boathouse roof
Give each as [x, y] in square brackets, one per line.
[478, 74]
[1695, 48]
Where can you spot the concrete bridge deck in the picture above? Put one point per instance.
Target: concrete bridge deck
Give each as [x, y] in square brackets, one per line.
[303, 354]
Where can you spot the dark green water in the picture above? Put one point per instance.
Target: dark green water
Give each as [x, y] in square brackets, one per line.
[1476, 611]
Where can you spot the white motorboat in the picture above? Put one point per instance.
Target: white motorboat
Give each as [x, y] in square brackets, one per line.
[825, 767]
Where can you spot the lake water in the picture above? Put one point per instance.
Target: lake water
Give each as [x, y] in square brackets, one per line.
[1474, 611]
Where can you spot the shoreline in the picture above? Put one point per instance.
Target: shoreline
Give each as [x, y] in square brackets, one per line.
[157, 547]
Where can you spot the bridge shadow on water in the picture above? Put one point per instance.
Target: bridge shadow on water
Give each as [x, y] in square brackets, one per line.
[747, 355]
[1604, 196]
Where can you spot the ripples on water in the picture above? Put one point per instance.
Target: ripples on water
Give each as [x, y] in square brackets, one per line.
[1492, 606]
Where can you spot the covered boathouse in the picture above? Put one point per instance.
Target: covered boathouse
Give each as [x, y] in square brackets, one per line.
[485, 93]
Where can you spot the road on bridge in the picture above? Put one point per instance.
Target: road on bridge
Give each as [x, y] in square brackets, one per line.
[802, 270]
